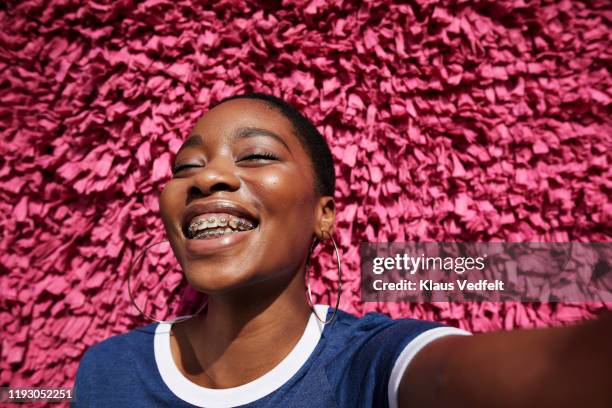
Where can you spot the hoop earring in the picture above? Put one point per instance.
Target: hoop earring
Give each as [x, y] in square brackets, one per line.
[310, 302]
[175, 320]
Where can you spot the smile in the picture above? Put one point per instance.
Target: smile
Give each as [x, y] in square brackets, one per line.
[211, 227]
[215, 240]
[215, 225]
[217, 218]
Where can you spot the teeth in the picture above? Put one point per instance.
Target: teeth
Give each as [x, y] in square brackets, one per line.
[215, 226]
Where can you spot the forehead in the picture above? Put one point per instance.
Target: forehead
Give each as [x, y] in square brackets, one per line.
[244, 113]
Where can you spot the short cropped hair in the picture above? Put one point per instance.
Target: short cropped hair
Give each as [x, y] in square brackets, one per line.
[311, 139]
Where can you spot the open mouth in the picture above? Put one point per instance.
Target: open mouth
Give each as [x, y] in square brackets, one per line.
[209, 220]
[216, 225]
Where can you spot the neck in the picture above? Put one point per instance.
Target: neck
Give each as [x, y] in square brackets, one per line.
[241, 337]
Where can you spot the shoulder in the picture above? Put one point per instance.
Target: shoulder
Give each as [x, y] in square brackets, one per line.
[116, 349]
[106, 367]
[395, 338]
[376, 324]
[375, 337]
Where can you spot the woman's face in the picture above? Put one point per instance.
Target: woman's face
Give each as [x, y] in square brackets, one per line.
[241, 207]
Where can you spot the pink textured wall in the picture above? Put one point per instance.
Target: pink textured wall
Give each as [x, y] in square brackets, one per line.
[456, 121]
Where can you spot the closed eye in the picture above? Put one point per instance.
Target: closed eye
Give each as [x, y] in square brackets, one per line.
[259, 156]
[251, 157]
[181, 167]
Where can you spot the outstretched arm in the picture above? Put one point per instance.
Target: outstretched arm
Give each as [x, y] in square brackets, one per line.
[555, 367]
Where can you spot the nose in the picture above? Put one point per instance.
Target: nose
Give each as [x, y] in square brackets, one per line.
[218, 175]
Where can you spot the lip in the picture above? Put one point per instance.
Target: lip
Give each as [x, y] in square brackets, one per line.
[200, 247]
[216, 206]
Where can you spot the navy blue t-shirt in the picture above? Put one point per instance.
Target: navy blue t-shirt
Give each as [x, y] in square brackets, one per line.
[352, 362]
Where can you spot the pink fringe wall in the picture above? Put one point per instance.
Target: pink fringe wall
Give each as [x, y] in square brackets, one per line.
[449, 121]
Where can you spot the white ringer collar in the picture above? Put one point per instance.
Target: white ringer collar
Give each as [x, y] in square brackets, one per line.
[243, 394]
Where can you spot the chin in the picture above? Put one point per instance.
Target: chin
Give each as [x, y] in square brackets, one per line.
[215, 278]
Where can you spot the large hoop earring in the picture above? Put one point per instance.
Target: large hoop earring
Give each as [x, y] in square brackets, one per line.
[175, 320]
[310, 302]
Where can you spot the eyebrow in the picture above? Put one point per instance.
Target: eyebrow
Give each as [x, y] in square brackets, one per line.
[244, 132]
[192, 141]
[195, 140]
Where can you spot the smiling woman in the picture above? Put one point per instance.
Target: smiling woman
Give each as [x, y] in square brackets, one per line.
[250, 197]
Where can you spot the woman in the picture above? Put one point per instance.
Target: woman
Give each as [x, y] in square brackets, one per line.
[252, 191]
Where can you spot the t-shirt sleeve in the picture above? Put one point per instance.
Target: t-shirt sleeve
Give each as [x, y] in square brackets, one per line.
[408, 349]
[382, 350]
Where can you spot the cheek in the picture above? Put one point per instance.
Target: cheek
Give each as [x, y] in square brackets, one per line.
[284, 192]
[168, 203]
[289, 203]
[272, 184]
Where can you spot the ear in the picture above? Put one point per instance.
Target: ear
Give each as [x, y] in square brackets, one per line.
[325, 217]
